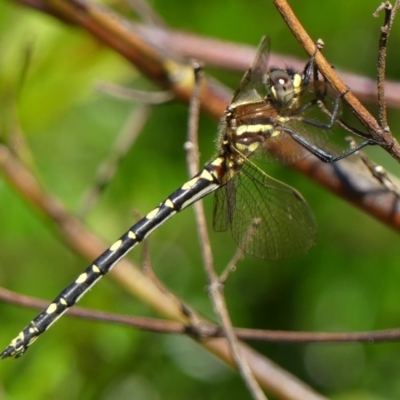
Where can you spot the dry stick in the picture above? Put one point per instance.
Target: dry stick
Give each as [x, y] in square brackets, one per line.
[148, 324]
[377, 171]
[231, 267]
[215, 288]
[272, 377]
[389, 143]
[385, 30]
[251, 231]
[206, 330]
[390, 14]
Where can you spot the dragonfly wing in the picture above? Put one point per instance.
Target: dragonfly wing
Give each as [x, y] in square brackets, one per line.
[221, 220]
[268, 218]
[252, 87]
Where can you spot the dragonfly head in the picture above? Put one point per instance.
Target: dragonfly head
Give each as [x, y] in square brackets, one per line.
[285, 85]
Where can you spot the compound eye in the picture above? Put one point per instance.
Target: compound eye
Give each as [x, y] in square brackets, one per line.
[281, 85]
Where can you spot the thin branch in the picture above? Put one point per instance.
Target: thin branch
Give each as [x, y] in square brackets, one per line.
[385, 30]
[377, 171]
[148, 324]
[390, 13]
[231, 267]
[205, 330]
[215, 288]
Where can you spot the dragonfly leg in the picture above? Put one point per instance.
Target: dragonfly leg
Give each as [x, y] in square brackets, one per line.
[322, 154]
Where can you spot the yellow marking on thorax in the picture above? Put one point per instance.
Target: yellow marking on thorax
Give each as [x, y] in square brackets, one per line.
[242, 129]
[253, 129]
[248, 147]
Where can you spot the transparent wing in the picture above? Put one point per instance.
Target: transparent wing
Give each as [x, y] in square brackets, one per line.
[221, 218]
[252, 86]
[268, 219]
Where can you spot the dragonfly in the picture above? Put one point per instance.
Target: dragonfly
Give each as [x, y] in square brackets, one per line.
[272, 115]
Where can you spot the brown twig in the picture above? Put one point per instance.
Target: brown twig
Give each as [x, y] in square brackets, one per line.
[377, 171]
[385, 30]
[215, 288]
[231, 267]
[205, 330]
[390, 13]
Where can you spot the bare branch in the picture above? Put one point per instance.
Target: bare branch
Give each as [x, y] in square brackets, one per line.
[215, 289]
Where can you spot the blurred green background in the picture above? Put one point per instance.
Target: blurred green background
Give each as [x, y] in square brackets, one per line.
[349, 281]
